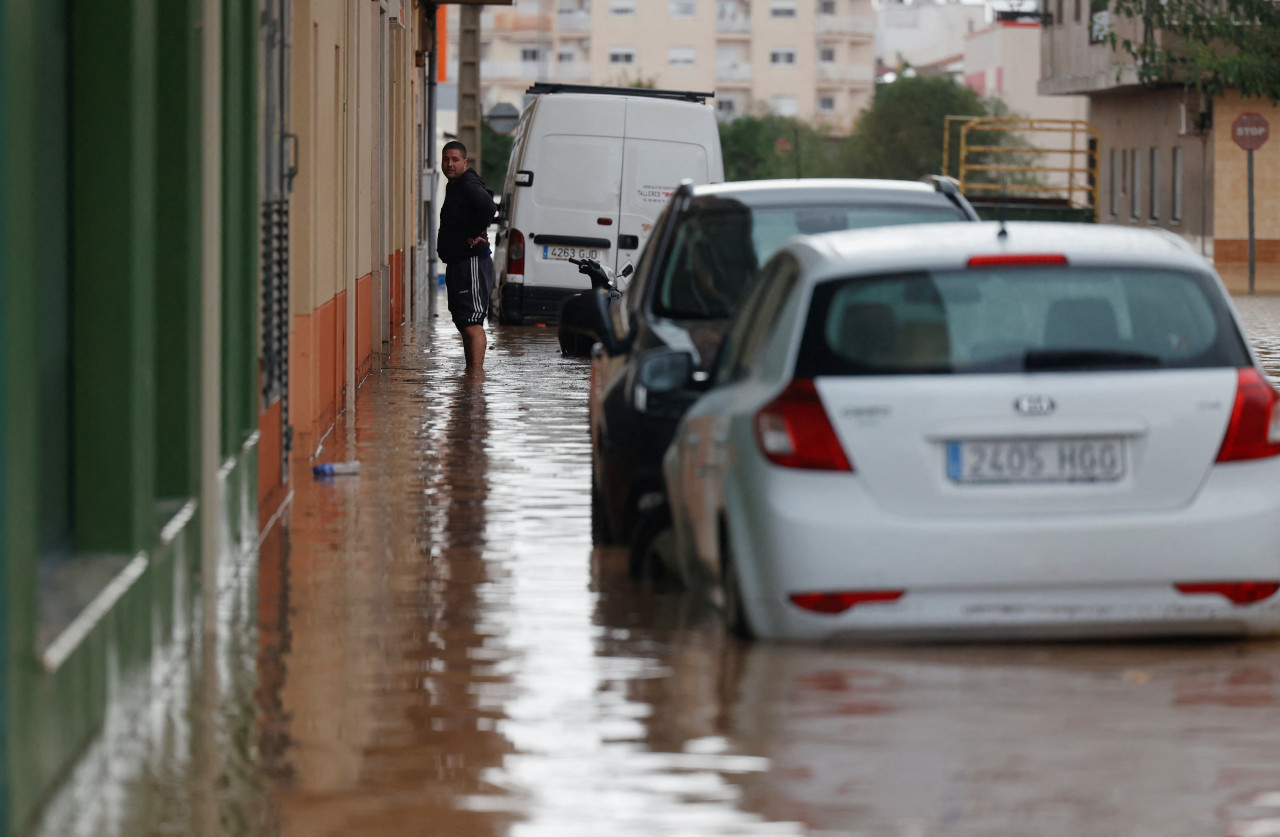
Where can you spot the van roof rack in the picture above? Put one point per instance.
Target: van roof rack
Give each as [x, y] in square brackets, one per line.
[556, 87]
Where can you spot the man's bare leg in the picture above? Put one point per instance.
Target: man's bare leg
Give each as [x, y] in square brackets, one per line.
[473, 346]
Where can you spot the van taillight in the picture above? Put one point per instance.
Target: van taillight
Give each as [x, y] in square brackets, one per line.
[1254, 429]
[793, 430]
[515, 252]
[1236, 592]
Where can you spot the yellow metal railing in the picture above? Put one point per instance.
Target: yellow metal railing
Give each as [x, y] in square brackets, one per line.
[1080, 150]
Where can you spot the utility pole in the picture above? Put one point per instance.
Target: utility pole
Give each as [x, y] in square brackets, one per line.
[469, 81]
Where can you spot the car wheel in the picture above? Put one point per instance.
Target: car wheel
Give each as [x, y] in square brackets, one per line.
[505, 316]
[732, 610]
[601, 533]
[653, 549]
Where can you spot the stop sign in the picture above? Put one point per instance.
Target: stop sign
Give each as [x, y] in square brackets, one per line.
[1250, 131]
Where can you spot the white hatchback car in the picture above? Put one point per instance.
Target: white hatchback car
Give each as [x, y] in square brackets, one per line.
[967, 430]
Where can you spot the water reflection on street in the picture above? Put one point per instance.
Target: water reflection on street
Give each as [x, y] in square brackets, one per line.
[442, 652]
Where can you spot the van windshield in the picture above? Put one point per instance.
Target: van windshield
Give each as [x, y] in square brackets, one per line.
[720, 244]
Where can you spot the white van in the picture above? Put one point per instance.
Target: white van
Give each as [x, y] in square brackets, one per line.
[590, 169]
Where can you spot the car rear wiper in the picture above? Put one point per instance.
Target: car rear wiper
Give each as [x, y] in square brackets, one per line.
[1040, 359]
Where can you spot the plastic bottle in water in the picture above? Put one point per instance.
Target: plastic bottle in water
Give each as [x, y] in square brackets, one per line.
[333, 469]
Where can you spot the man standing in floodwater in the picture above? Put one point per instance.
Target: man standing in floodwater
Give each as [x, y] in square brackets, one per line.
[463, 245]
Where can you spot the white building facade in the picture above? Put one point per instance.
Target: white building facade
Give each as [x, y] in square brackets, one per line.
[813, 59]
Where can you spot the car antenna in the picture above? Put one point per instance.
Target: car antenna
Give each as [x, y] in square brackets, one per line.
[1003, 205]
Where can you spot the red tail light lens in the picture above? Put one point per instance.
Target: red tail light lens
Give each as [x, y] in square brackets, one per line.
[1237, 592]
[1017, 260]
[793, 430]
[1254, 430]
[515, 252]
[840, 602]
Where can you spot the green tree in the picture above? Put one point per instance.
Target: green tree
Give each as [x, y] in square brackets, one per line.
[767, 147]
[497, 153]
[1207, 45]
[899, 136]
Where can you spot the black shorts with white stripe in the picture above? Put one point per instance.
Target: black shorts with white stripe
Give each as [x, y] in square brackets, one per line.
[468, 283]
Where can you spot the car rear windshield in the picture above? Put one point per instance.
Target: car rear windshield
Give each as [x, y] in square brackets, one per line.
[1018, 320]
[719, 245]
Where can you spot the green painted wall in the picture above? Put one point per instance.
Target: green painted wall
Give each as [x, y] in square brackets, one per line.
[177, 285]
[17, 413]
[114, 175]
[100, 249]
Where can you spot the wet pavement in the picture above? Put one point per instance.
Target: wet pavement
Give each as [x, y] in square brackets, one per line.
[434, 648]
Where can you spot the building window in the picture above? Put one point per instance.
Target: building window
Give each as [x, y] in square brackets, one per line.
[826, 55]
[1153, 198]
[1057, 13]
[682, 8]
[726, 107]
[1135, 200]
[827, 7]
[1176, 174]
[782, 56]
[1078, 12]
[682, 56]
[622, 55]
[826, 104]
[622, 8]
[530, 54]
[782, 8]
[784, 105]
[1113, 185]
[565, 57]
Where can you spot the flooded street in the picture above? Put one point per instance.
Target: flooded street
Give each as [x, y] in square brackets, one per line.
[434, 648]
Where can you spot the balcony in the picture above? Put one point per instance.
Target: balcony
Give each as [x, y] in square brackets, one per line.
[858, 26]
[737, 71]
[841, 74]
[497, 71]
[574, 20]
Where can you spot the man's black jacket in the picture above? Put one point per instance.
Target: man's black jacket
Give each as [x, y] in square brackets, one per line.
[467, 213]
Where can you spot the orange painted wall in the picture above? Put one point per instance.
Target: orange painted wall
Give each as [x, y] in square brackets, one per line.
[317, 348]
[271, 491]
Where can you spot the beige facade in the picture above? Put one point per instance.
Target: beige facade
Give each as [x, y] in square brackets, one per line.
[996, 59]
[1230, 197]
[355, 107]
[813, 59]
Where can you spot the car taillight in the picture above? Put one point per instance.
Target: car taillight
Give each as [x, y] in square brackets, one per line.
[1237, 592]
[515, 252]
[793, 430]
[1254, 429]
[840, 602]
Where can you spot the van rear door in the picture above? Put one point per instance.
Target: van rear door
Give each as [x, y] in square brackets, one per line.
[576, 180]
[666, 142]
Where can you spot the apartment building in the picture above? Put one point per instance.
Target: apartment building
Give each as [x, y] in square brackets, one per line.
[1166, 156]
[814, 59]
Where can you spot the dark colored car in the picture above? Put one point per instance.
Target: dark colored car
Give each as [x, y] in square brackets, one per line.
[657, 344]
